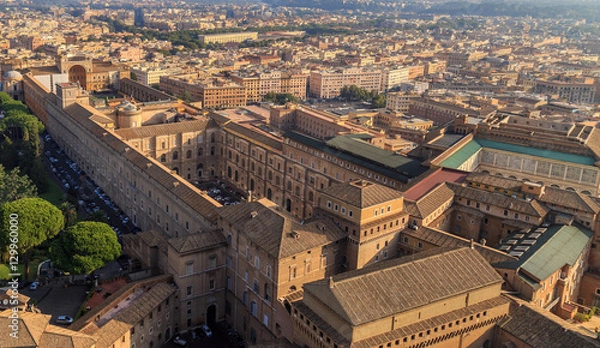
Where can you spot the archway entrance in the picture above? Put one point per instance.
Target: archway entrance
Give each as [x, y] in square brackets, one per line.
[211, 315]
[77, 74]
[288, 205]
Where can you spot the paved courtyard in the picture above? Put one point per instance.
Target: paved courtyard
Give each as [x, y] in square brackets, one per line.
[57, 300]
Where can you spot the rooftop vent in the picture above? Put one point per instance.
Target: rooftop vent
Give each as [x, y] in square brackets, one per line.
[253, 214]
[295, 234]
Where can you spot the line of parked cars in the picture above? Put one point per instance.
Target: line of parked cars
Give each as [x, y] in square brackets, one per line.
[71, 176]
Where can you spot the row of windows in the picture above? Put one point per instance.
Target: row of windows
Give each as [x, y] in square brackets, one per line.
[336, 207]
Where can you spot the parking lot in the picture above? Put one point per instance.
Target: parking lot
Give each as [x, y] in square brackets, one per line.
[221, 192]
[90, 198]
[222, 337]
[56, 299]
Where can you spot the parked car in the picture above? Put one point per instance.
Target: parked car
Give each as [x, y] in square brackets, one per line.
[34, 286]
[206, 330]
[63, 319]
[180, 341]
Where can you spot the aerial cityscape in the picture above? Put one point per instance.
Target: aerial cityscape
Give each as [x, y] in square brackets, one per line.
[313, 174]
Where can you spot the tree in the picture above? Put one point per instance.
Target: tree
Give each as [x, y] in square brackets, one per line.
[14, 186]
[69, 213]
[378, 102]
[133, 76]
[37, 221]
[98, 216]
[85, 247]
[280, 98]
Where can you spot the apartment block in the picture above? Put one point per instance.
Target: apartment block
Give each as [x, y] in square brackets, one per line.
[328, 84]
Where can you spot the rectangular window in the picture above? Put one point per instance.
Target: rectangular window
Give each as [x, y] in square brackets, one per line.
[188, 291]
[212, 261]
[266, 320]
[189, 268]
[211, 284]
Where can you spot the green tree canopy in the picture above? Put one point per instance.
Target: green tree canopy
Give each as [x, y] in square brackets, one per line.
[14, 186]
[355, 93]
[378, 102]
[280, 98]
[69, 212]
[85, 247]
[38, 220]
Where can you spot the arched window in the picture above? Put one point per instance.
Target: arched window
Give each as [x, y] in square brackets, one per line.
[289, 185]
[212, 137]
[200, 151]
[175, 155]
[310, 196]
[270, 175]
[212, 151]
[163, 158]
[297, 190]
[188, 154]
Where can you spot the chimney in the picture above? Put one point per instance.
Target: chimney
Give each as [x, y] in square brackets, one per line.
[472, 244]
[250, 196]
[331, 282]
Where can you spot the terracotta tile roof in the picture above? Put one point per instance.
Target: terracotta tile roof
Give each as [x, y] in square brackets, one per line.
[362, 193]
[277, 233]
[532, 208]
[165, 129]
[538, 328]
[444, 239]
[55, 337]
[399, 285]
[430, 202]
[108, 334]
[197, 241]
[419, 188]
[570, 199]
[31, 327]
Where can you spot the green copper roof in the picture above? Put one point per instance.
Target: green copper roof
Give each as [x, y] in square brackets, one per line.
[537, 152]
[563, 247]
[359, 152]
[554, 248]
[460, 156]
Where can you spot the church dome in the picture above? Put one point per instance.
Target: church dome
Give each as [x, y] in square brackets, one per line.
[12, 75]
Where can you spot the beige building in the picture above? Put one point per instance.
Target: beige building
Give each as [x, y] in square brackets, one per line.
[212, 92]
[328, 84]
[141, 314]
[228, 37]
[438, 298]
[151, 75]
[258, 84]
[574, 92]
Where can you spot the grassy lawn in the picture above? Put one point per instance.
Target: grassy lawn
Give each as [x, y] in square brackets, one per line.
[54, 194]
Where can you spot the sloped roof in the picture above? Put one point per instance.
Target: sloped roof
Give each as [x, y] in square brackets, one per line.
[31, 327]
[444, 239]
[362, 193]
[197, 241]
[272, 230]
[370, 157]
[398, 285]
[555, 247]
[164, 129]
[538, 328]
[55, 337]
[533, 207]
